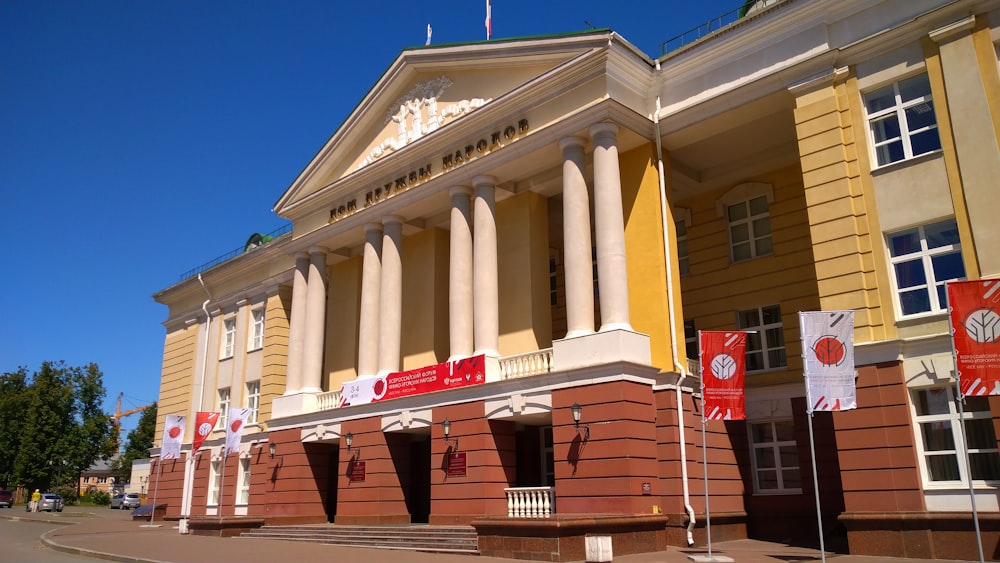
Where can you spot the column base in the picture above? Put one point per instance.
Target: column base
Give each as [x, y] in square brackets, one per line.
[601, 348]
[291, 405]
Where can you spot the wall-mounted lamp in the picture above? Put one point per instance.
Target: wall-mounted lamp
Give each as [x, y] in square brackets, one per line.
[446, 427]
[349, 438]
[271, 448]
[577, 411]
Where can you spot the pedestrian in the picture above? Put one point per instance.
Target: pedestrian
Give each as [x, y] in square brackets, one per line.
[35, 497]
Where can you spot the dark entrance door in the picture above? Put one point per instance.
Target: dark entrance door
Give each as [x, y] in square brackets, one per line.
[411, 456]
[331, 482]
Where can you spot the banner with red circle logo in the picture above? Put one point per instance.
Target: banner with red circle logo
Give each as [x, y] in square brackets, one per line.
[437, 377]
[234, 427]
[173, 435]
[974, 315]
[828, 352]
[723, 361]
[204, 423]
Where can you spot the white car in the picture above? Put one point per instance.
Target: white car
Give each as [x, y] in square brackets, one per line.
[125, 501]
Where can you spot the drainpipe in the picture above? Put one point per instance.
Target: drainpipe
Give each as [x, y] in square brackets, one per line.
[189, 463]
[671, 312]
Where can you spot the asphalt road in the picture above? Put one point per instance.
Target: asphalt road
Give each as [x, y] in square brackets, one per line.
[20, 544]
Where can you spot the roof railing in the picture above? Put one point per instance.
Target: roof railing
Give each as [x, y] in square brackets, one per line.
[269, 238]
[713, 25]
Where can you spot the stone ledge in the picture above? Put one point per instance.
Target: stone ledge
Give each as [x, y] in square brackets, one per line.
[563, 537]
[223, 526]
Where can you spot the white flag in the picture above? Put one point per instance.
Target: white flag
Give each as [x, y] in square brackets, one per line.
[234, 428]
[429, 31]
[828, 353]
[173, 435]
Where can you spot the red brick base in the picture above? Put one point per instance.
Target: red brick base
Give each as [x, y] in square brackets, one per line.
[563, 538]
[922, 535]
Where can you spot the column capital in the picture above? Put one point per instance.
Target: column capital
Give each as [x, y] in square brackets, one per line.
[373, 227]
[484, 181]
[392, 220]
[603, 128]
[569, 142]
[460, 190]
[301, 255]
[313, 250]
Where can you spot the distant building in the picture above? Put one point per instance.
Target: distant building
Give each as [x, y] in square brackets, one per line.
[139, 479]
[502, 231]
[100, 477]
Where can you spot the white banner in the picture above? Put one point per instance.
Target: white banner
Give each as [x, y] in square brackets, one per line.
[173, 435]
[234, 429]
[828, 360]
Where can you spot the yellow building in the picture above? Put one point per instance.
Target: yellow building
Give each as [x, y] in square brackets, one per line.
[503, 231]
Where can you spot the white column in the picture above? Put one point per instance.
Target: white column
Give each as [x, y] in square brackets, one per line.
[485, 279]
[391, 296]
[312, 353]
[296, 330]
[371, 281]
[577, 261]
[460, 274]
[609, 229]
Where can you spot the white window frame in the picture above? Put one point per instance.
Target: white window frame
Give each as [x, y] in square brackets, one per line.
[243, 482]
[760, 342]
[926, 256]
[253, 400]
[775, 445]
[898, 112]
[228, 338]
[754, 222]
[683, 258]
[225, 396]
[214, 482]
[951, 418]
[256, 340]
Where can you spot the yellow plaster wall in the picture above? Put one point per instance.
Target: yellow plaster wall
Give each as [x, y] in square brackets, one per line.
[425, 299]
[277, 312]
[849, 268]
[716, 289]
[647, 285]
[176, 380]
[523, 273]
[342, 314]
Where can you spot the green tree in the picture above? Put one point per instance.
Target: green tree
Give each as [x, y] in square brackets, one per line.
[137, 443]
[64, 430]
[13, 405]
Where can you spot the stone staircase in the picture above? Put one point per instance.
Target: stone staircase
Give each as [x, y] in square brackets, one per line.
[436, 539]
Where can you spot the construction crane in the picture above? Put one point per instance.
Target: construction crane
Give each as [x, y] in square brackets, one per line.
[119, 413]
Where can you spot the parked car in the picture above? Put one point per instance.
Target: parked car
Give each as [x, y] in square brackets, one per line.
[6, 499]
[50, 502]
[125, 500]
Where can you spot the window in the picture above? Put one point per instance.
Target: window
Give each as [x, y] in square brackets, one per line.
[749, 229]
[253, 400]
[102, 480]
[553, 278]
[243, 484]
[936, 415]
[775, 457]
[766, 346]
[923, 259]
[901, 120]
[683, 263]
[691, 340]
[228, 337]
[257, 330]
[214, 482]
[223, 407]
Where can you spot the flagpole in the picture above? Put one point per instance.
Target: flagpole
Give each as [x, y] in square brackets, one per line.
[159, 472]
[812, 452]
[704, 459]
[222, 481]
[961, 425]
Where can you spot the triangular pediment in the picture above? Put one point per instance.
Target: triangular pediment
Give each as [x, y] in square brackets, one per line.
[425, 91]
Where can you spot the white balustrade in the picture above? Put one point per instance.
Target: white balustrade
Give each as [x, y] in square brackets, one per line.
[527, 364]
[530, 502]
[328, 400]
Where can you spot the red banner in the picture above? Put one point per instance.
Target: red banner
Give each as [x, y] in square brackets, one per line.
[204, 423]
[723, 360]
[974, 315]
[437, 377]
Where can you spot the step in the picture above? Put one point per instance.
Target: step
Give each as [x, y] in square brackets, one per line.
[436, 539]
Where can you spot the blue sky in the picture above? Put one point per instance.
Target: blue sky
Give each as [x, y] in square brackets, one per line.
[139, 139]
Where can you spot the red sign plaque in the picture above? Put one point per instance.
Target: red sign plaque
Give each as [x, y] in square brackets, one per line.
[356, 471]
[456, 464]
